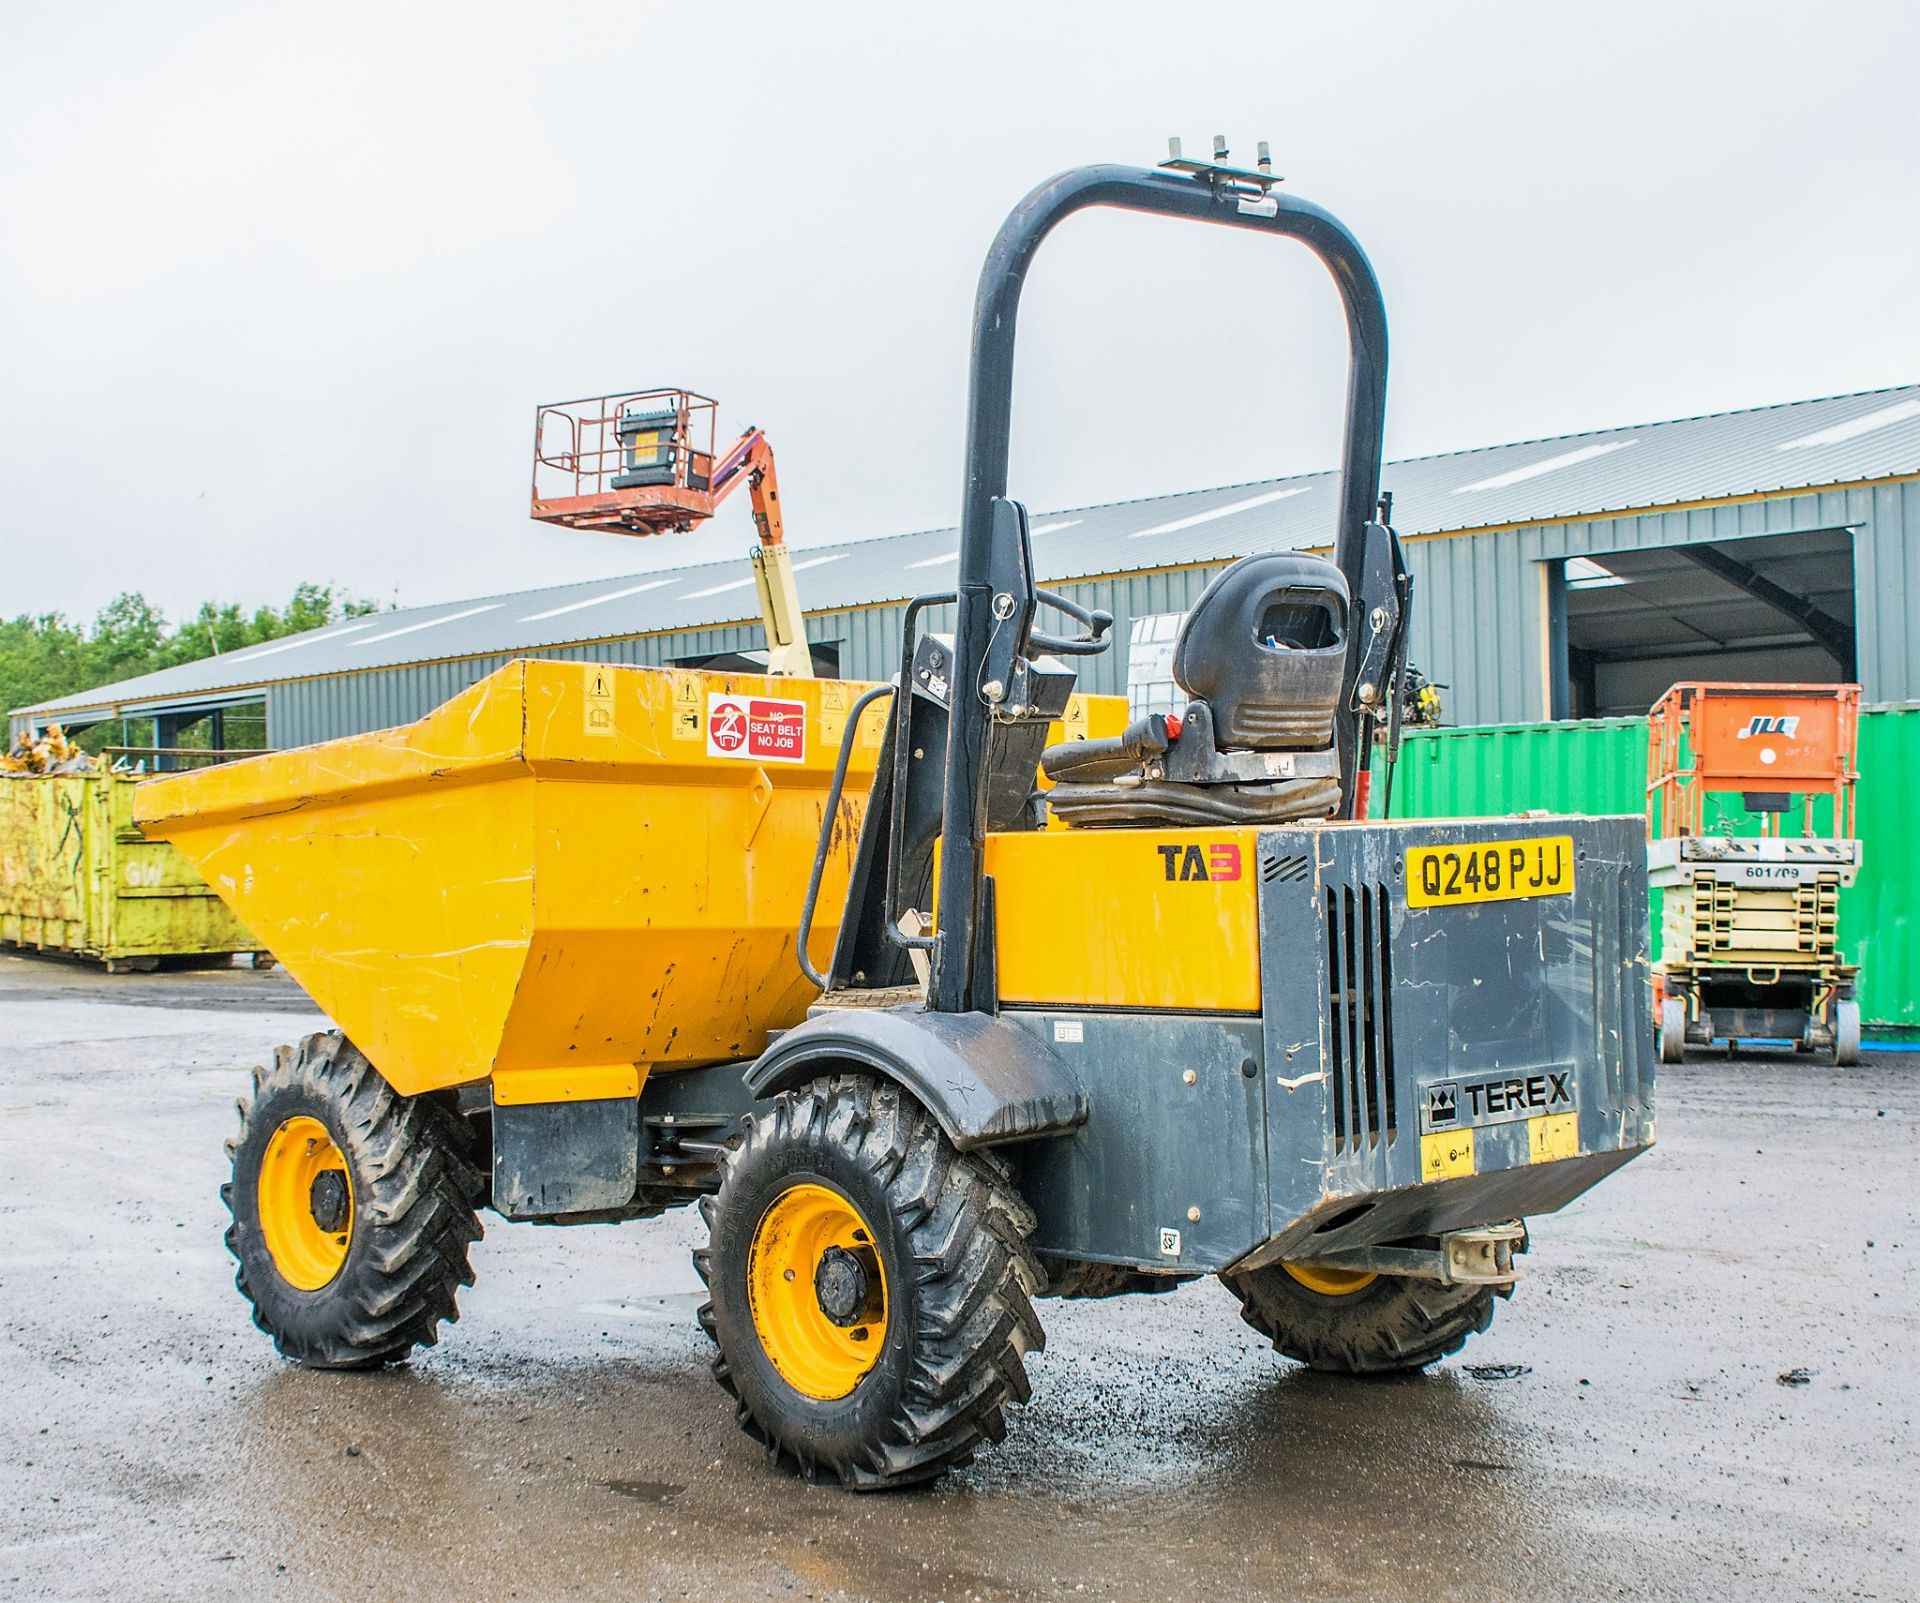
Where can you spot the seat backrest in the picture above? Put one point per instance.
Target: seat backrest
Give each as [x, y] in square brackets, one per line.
[1265, 647]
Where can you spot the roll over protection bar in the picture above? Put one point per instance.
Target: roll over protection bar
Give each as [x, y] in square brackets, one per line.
[957, 967]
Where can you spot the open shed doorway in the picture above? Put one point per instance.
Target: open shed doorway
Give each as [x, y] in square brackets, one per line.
[1770, 609]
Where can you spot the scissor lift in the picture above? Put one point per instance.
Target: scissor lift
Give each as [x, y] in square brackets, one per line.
[1750, 929]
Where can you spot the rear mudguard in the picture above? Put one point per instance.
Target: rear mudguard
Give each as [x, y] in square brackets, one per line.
[983, 1078]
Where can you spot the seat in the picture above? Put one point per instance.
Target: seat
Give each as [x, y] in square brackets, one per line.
[1261, 658]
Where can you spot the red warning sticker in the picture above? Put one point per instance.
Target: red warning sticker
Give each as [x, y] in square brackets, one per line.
[758, 728]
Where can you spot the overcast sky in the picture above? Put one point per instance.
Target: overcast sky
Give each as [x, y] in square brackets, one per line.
[280, 285]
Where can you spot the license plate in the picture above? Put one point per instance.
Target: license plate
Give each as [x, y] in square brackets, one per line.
[1489, 871]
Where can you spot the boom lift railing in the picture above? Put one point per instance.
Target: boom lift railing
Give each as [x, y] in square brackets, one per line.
[642, 462]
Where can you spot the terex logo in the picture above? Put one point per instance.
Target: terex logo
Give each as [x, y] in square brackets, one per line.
[1787, 726]
[1220, 861]
[1459, 1104]
[1535, 1094]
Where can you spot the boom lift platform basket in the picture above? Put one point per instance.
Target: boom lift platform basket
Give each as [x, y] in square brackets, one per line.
[642, 462]
[634, 463]
[1749, 934]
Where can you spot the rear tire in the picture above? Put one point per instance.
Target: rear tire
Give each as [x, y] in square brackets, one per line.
[1673, 1030]
[942, 1299]
[373, 1267]
[1386, 1325]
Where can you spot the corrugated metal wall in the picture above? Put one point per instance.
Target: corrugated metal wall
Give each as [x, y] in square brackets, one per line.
[1479, 616]
[1601, 766]
[303, 711]
[1480, 601]
[1480, 622]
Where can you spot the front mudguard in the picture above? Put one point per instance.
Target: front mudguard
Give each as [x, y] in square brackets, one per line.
[985, 1080]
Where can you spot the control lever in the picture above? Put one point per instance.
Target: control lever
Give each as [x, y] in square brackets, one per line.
[1014, 641]
[1380, 619]
[1095, 620]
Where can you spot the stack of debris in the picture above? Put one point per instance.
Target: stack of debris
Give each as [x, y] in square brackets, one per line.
[49, 752]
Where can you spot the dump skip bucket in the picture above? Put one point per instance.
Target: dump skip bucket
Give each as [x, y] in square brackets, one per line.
[566, 877]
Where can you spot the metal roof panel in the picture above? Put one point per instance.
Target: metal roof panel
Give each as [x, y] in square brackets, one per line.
[1765, 450]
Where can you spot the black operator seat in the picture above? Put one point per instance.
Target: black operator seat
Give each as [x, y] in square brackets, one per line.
[1261, 658]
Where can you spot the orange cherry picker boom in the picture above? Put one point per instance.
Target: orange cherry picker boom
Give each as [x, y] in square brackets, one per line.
[643, 463]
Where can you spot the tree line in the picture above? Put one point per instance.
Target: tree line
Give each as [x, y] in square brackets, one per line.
[45, 656]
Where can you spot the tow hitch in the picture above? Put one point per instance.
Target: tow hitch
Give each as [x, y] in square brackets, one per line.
[1482, 1256]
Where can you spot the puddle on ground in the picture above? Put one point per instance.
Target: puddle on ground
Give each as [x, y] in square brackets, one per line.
[645, 1491]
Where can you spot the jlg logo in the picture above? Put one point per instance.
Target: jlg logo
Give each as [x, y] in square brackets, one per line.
[1219, 861]
[1789, 727]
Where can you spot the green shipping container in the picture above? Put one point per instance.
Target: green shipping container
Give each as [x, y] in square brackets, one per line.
[76, 876]
[1600, 766]
[1595, 766]
[1877, 916]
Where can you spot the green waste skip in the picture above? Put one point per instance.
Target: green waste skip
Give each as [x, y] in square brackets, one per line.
[76, 876]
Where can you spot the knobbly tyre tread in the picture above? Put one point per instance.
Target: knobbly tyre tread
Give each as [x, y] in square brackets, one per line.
[416, 1186]
[1395, 1325]
[974, 1278]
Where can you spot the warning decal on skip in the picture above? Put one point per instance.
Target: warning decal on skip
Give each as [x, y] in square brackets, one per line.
[686, 708]
[599, 701]
[758, 728]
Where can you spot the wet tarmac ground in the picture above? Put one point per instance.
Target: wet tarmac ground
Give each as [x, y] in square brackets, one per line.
[1706, 1387]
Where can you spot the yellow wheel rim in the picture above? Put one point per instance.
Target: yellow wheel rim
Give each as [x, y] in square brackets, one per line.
[306, 1203]
[1330, 1282]
[818, 1291]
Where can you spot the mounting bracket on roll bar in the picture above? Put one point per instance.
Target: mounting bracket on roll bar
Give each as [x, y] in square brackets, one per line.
[1256, 181]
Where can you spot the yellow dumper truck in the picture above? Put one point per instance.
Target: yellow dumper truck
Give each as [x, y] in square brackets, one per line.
[931, 1013]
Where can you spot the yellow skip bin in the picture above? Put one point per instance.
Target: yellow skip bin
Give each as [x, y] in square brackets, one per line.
[566, 877]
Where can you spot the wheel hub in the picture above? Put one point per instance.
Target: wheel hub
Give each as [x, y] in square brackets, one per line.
[327, 1199]
[818, 1291]
[305, 1202]
[842, 1284]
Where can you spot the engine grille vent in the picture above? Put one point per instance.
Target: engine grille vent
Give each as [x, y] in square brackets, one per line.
[1360, 1008]
[1283, 869]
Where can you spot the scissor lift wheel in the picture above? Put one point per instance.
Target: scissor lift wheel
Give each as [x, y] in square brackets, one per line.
[1846, 1032]
[1673, 1029]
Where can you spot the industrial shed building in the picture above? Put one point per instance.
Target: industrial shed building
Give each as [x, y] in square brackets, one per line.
[1558, 578]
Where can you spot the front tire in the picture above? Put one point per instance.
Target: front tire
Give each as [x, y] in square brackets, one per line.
[352, 1209]
[871, 1287]
[1357, 1324]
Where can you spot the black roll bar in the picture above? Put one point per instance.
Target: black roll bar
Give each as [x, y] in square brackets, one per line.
[1201, 198]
